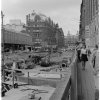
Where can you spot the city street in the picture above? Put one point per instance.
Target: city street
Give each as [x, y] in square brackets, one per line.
[50, 50]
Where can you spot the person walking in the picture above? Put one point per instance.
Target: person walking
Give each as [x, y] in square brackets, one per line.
[95, 60]
[78, 49]
[83, 56]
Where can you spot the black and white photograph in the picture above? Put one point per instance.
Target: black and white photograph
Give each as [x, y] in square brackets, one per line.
[49, 50]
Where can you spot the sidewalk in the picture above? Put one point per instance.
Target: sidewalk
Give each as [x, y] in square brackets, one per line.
[96, 77]
[86, 83]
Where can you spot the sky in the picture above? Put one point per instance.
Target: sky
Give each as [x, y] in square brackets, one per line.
[64, 12]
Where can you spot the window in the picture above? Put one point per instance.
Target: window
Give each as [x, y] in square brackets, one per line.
[36, 35]
[96, 4]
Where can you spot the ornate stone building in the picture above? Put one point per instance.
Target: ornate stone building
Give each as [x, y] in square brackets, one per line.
[59, 37]
[71, 40]
[42, 29]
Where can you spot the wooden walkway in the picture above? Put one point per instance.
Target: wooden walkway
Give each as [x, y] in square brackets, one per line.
[86, 83]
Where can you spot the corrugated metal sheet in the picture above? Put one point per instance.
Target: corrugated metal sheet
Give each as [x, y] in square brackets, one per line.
[13, 37]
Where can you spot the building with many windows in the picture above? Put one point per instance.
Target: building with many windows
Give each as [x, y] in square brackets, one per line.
[43, 30]
[82, 22]
[89, 22]
[71, 40]
[59, 37]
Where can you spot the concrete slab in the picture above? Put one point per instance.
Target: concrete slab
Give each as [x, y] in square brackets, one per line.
[18, 94]
[54, 72]
[43, 75]
[86, 83]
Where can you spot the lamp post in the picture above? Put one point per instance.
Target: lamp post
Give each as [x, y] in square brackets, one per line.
[2, 17]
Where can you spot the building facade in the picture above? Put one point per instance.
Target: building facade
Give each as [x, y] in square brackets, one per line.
[13, 40]
[60, 37]
[82, 22]
[89, 22]
[42, 29]
[70, 40]
[14, 36]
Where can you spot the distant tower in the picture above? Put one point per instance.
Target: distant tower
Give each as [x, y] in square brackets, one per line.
[68, 33]
[77, 35]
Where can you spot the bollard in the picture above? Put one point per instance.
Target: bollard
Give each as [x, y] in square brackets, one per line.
[28, 78]
[13, 79]
[3, 75]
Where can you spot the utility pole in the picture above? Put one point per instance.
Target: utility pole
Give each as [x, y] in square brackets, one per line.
[2, 17]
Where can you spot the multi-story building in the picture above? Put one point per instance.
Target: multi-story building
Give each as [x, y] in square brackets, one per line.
[59, 37]
[82, 22]
[42, 29]
[70, 40]
[90, 22]
[14, 36]
[14, 40]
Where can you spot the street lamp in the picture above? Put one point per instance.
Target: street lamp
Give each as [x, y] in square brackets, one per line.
[2, 17]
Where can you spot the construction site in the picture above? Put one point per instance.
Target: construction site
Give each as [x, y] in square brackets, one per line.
[34, 76]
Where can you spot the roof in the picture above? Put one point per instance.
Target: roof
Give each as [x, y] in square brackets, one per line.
[38, 17]
[13, 31]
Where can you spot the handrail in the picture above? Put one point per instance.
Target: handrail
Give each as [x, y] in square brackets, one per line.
[62, 90]
[74, 78]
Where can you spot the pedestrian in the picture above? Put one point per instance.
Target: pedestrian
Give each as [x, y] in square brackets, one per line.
[83, 56]
[95, 60]
[78, 53]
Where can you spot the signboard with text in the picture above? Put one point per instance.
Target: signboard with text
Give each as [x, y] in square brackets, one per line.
[87, 32]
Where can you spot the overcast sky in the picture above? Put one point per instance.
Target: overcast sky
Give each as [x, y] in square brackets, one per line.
[64, 12]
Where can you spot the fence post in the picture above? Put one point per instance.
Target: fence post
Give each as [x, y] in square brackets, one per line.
[3, 75]
[13, 78]
[28, 78]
